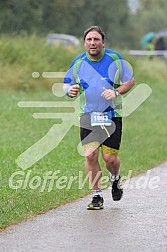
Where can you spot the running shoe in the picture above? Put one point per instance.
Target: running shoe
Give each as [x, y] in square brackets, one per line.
[117, 190]
[96, 203]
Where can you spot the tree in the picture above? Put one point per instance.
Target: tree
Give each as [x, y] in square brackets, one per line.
[66, 16]
[151, 16]
[17, 16]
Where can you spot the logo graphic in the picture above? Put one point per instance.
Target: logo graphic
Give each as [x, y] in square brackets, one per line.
[69, 118]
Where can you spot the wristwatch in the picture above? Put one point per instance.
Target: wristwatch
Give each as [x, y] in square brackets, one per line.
[117, 93]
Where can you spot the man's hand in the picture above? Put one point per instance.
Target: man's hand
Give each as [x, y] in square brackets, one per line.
[122, 89]
[108, 94]
[73, 90]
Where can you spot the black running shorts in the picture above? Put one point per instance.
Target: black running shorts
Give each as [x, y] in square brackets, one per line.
[105, 136]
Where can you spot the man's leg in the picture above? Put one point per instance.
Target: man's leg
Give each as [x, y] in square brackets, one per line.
[110, 149]
[94, 173]
[90, 140]
[112, 162]
[92, 167]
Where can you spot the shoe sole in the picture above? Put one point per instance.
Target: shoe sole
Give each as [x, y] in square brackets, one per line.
[117, 198]
[94, 208]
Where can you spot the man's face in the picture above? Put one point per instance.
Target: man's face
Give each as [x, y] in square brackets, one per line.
[94, 44]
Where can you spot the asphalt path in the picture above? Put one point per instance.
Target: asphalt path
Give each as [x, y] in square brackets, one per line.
[136, 223]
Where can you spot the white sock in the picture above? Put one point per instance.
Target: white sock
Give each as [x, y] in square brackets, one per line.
[97, 192]
[114, 177]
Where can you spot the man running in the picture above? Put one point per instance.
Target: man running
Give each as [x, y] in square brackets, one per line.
[100, 76]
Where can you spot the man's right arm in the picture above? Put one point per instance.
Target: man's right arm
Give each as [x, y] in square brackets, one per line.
[70, 87]
[71, 90]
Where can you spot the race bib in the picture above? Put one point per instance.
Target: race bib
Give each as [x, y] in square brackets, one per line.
[101, 118]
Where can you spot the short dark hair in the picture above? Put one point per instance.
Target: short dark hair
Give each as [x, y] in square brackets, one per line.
[94, 28]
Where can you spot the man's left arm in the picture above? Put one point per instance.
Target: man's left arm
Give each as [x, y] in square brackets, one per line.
[122, 89]
[126, 86]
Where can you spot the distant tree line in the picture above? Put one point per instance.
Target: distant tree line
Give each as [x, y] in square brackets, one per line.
[150, 17]
[74, 16]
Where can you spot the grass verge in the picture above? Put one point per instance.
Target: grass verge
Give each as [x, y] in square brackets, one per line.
[27, 193]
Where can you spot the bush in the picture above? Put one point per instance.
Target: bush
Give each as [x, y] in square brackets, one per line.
[20, 56]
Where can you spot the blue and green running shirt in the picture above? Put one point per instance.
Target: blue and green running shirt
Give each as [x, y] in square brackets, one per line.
[109, 71]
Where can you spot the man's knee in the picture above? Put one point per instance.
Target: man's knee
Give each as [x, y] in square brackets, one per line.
[110, 159]
[91, 155]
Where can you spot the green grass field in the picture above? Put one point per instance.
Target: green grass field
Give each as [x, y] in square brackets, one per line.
[27, 193]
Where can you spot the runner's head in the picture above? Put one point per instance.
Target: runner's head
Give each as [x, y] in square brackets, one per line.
[94, 28]
[94, 42]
